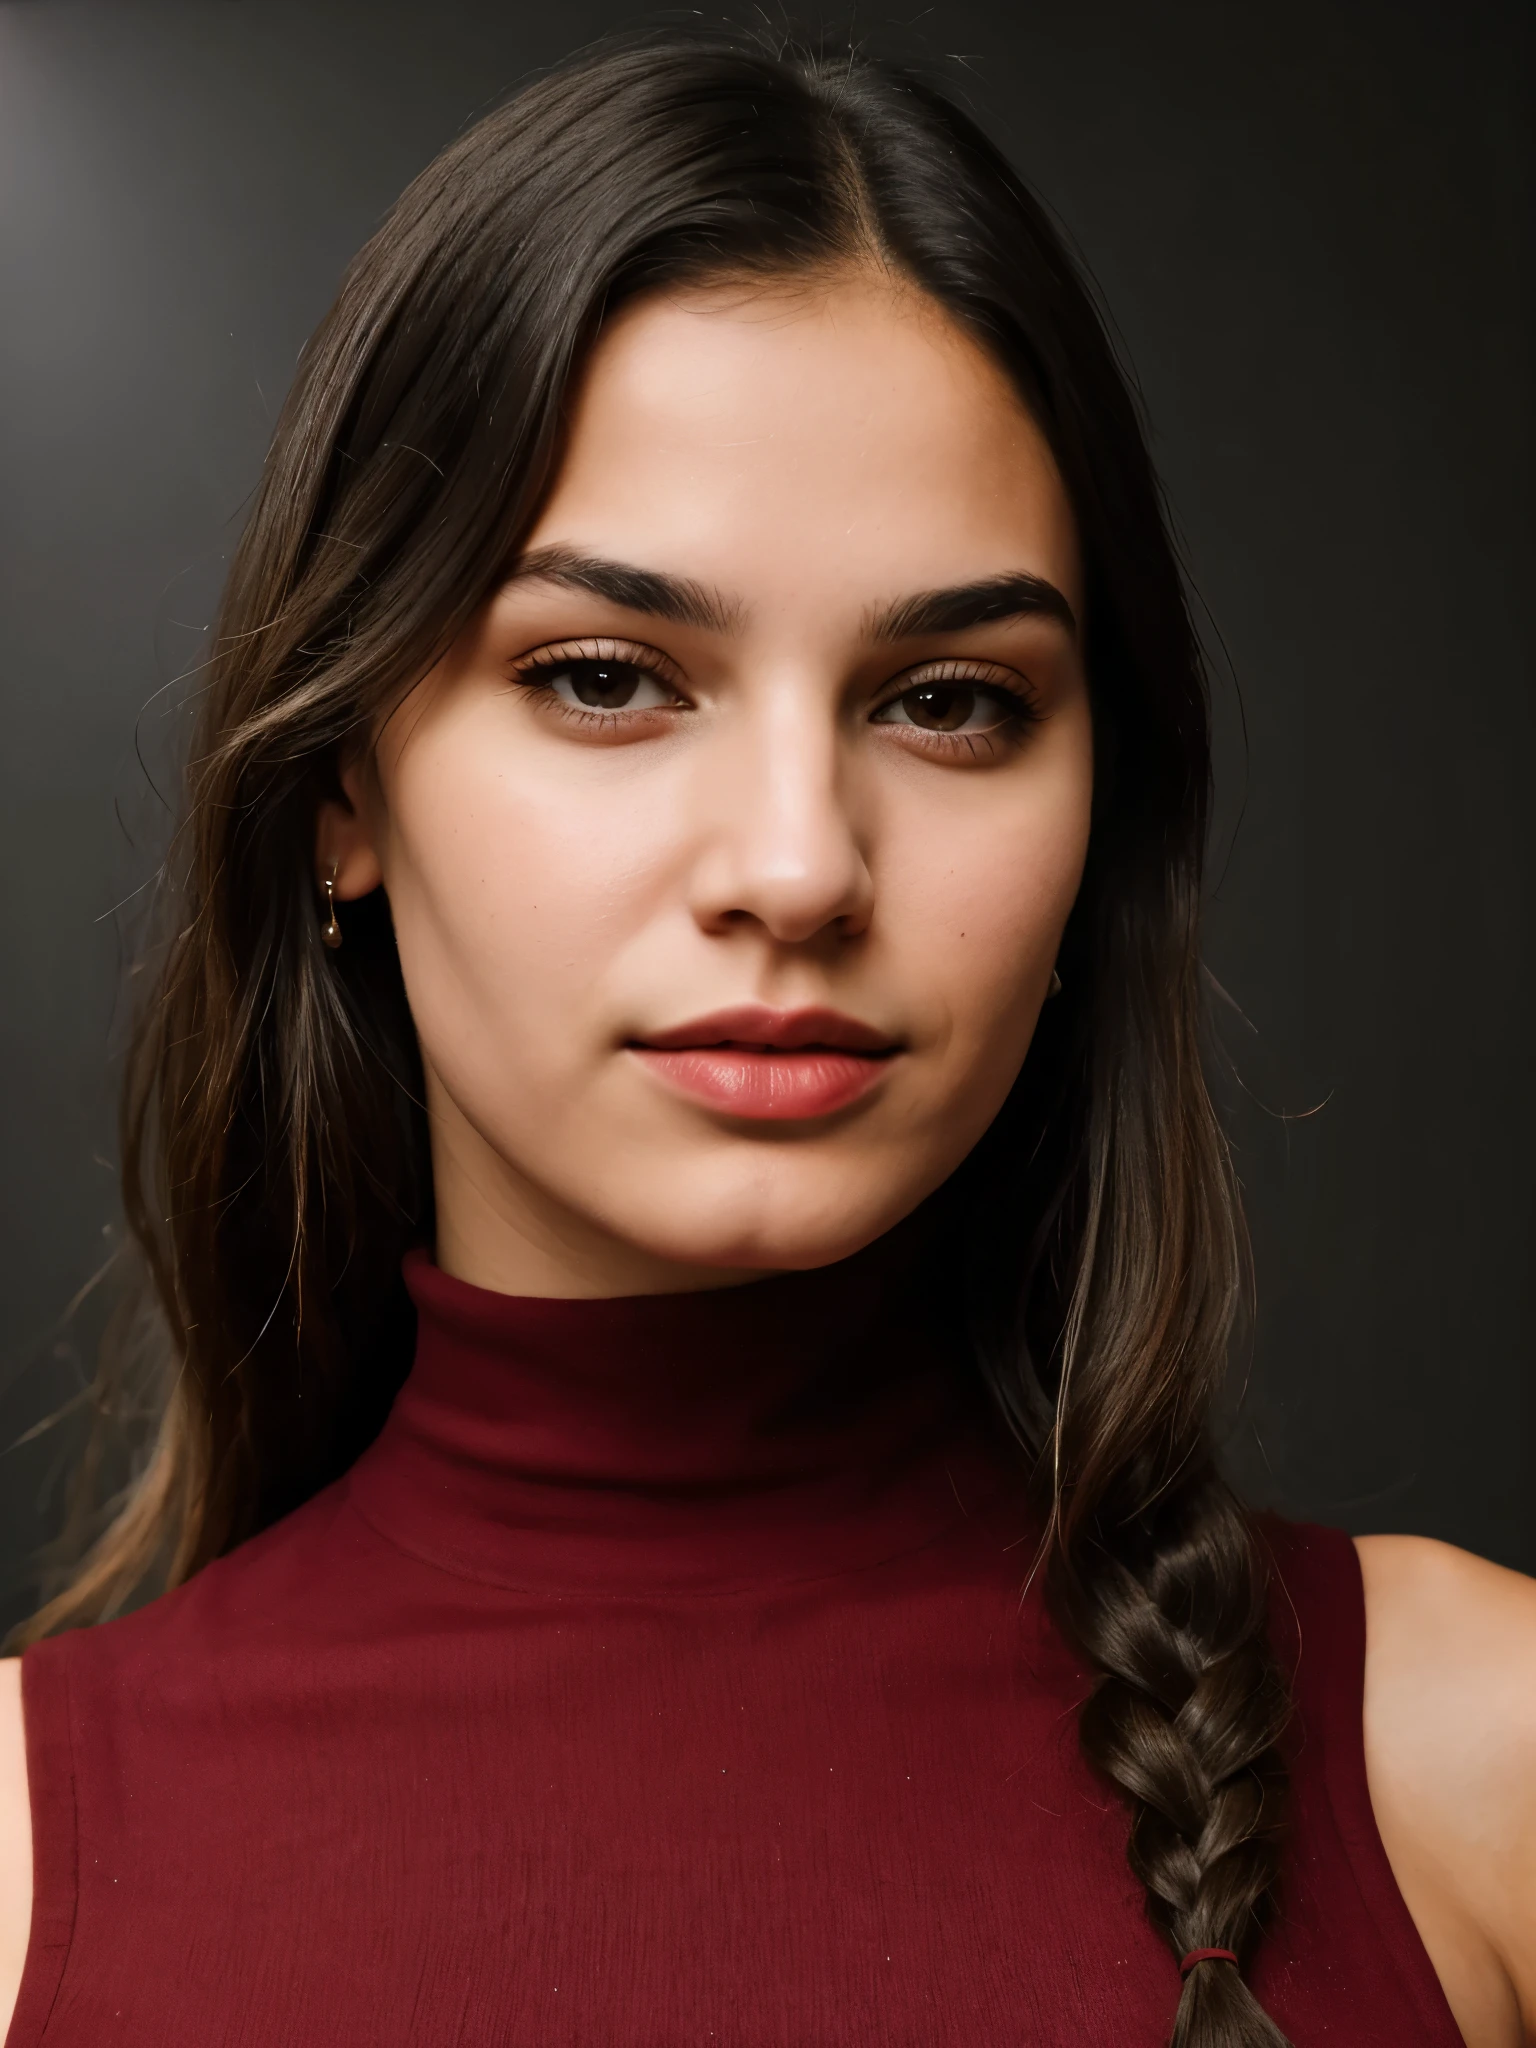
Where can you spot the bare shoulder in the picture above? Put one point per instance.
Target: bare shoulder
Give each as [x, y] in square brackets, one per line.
[15, 1841]
[1450, 1746]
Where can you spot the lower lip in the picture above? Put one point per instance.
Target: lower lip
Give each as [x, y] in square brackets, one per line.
[772, 1087]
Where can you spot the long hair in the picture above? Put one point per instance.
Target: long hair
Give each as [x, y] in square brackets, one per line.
[274, 1146]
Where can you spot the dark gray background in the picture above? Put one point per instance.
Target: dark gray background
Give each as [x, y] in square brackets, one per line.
[1312, 224]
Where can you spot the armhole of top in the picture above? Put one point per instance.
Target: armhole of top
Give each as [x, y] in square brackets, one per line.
[48, 1726]
[1317, 1573]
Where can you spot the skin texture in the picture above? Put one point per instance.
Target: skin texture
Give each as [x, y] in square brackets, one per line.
[562, 883]
[765, 832]
[1450, 1752]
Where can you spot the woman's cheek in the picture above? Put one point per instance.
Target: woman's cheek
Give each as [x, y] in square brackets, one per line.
[515, 947]
[981, 927]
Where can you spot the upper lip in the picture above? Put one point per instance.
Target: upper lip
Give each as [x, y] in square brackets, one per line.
[754, 1024]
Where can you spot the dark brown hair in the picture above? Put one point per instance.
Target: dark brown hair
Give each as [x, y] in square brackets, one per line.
[274, 1149]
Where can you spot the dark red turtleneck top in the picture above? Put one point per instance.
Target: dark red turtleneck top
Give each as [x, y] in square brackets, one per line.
[657, 1679]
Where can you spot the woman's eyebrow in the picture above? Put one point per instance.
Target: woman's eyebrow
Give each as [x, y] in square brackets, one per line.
[952, 610]
[662, 596]
[677, 598]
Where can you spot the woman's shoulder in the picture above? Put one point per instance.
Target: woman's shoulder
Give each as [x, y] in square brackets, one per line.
[15, 1840]
[1413, 1667]
[1455, 1625]
[1450, 1751]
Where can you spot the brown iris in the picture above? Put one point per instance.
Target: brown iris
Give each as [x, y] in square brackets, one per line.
[940, 707]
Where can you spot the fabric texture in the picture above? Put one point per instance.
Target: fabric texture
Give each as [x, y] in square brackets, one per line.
[659, 1678]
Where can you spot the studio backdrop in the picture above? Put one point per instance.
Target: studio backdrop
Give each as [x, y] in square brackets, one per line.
[1312, 228]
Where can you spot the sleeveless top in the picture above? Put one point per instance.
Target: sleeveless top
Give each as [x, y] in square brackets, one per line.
[659, 1676]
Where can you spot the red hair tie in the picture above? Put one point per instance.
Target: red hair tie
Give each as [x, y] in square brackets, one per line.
[1205, 1955]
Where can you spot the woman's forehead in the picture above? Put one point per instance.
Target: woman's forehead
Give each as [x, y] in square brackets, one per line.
[850, 437]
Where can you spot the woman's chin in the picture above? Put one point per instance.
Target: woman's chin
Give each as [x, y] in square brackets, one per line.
[775, 1243]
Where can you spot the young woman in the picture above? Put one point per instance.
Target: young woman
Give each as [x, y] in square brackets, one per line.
[692, 1243]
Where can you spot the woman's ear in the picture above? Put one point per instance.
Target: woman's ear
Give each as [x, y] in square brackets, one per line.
[344, 837]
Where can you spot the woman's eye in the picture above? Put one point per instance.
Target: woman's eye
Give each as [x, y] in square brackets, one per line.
[950, 707]
[593, 685]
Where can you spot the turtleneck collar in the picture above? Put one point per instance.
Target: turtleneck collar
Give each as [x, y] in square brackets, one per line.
[789, 1428]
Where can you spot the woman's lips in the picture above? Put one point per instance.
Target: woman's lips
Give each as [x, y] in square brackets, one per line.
[767, 1084]
[773, 1065]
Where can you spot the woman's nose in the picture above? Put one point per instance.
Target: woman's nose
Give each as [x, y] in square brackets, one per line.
[780, 847]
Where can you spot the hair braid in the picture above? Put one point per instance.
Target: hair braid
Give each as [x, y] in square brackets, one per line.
[1184, 1723]
[1106, 1363]
[1153, 1568]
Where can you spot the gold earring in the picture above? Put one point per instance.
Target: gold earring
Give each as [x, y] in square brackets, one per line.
[330, 931]
[1053, 990]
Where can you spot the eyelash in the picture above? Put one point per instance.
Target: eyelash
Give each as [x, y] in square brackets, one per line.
[1022, 707]
[534, 673]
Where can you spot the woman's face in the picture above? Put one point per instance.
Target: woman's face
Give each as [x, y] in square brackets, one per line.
[730, 848]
